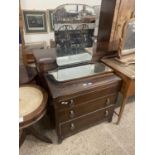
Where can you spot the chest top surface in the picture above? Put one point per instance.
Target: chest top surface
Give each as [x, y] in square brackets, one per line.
[126, 70]
[86, 78]
[80, 71]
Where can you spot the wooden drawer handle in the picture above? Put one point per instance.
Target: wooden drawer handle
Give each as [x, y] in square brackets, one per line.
[72, 126]
[72, 114]
[70, 103]
[87, 84]
[64, 102]
[107, 101]
[90, 83]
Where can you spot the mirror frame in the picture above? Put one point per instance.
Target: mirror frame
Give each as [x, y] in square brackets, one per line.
[101, 47]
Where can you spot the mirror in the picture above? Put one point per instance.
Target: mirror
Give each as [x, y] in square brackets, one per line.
[65, 74]
[74, 28]
[128, 40]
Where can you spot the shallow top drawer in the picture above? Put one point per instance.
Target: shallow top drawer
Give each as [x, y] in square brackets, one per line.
[61, 91]
[86, 97]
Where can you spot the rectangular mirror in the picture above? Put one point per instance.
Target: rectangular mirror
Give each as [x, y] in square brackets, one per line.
[128, 39]
[75, 27]
[65, 74]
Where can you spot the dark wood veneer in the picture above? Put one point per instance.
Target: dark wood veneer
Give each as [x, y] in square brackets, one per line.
[86, 107]
[72, 127]
[105, 26]
[78, 107]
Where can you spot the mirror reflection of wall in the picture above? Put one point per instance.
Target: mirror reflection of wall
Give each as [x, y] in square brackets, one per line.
[129, 38]
[74, 26]
[47, 5]
[71, 26]
[97, 12]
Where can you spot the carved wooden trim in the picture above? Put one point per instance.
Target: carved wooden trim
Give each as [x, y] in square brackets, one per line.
[125, 13]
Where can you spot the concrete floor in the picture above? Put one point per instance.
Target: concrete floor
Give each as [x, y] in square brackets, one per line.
[102, 139]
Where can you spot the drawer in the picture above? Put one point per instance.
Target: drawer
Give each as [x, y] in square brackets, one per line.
[87, 107]
[81, 98]
[81, 123]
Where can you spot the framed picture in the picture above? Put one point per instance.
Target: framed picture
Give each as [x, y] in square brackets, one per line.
[50, 13]
[35, 21]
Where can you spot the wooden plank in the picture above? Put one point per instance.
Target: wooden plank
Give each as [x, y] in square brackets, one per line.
[105, 24]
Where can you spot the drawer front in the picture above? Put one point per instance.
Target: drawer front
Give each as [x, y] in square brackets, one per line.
[85, 108]
[70, 103]
[81, 123]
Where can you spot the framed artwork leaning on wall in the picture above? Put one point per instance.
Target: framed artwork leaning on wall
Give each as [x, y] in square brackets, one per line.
[35, 21]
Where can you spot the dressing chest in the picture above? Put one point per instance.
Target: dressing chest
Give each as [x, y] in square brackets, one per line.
[83, 92]
[82, 102]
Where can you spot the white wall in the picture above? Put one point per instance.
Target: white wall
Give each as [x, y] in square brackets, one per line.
[44, 5]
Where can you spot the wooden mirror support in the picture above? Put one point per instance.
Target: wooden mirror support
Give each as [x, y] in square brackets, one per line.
[104, 30]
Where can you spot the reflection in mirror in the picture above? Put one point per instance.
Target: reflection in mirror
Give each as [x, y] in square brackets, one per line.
[71, 73]
[69, 13]
[129, 38]
[74, 26]
[97, 12]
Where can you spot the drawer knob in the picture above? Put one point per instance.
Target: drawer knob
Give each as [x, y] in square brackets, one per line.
[72, 126]
[64, 102]
[87, 84]
[107, 101]
[106, 113]
[71, 104]
[72, 114]
[90, 83]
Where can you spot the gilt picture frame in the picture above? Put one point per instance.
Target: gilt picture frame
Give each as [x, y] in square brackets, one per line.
[35, 21]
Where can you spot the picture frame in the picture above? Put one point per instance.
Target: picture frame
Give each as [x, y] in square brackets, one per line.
[50, 15]
[35, 21]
